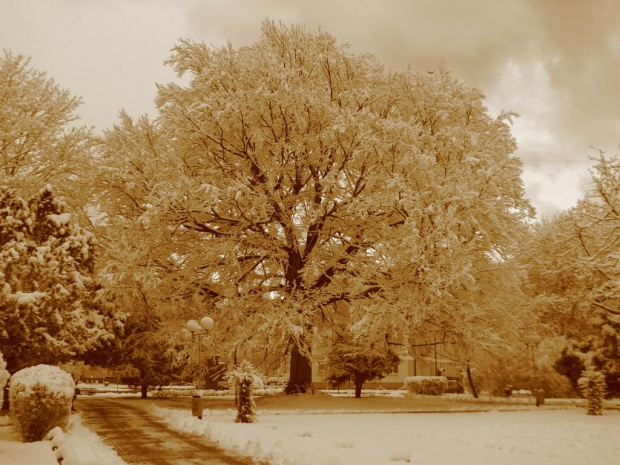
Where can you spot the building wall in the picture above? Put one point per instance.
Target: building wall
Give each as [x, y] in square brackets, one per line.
[86, 373]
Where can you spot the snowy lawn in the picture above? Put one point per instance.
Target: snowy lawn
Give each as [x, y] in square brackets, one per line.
[539, 437]
[14, 452]
[326, 430]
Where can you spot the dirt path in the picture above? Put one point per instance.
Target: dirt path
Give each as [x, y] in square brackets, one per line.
[141, 440]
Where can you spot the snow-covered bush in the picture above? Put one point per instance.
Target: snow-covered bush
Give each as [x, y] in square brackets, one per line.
[243, 380]
[40, 399]
[592, 385]
[428, 385]
[277, 381]
[4, 376]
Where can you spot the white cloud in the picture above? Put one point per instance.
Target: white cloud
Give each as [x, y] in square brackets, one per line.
[109, 53]
[555, 187]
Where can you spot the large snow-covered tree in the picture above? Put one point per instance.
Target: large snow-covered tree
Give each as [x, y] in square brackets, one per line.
[142, 257]
[51, 304]
[293, 175]
[597, 224]
[39, 142]
[574, 276]
[598, 231]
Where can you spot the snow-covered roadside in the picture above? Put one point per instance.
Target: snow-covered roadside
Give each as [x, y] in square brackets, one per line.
[15, 452]
[512, 438]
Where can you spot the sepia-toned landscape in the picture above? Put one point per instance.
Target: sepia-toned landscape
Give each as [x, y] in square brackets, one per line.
[348, 233]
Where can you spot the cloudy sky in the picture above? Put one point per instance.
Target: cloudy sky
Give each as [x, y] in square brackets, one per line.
[555, 62]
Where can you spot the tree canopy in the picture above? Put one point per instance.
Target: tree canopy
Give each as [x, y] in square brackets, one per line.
[573, 269]
[39, 141]
[292, 176]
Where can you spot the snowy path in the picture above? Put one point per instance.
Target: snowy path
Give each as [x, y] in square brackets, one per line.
[139, 439]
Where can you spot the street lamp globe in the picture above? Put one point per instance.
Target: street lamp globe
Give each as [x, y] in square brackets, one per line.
[197, 332]
[193, 326]
[207, 323]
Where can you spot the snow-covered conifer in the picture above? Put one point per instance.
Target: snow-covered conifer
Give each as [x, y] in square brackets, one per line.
[592, 385]
[243, 380]
[51, 304]
[359, 363]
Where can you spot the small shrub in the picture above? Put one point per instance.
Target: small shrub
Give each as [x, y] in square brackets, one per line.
[243, 380]
[427, 385]
[277, 381]
[40, 399]
[592, 385]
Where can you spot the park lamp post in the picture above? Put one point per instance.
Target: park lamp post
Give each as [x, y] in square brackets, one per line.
[531, 342]
[196, 331]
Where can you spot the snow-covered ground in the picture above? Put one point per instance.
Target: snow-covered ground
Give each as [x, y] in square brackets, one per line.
[543, 437]
[287, 434]
[84, 441]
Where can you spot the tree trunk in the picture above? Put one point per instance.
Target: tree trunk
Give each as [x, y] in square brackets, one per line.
[144, 389]
[5, 399]
[358, 388]
[300, 375]
[474, 391]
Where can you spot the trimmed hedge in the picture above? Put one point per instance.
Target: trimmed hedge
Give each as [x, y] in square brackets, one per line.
[427, 385]
[40, 399]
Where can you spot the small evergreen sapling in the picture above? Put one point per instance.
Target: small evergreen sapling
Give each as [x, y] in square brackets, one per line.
[358, 364]
[592, 385]
[243, 380]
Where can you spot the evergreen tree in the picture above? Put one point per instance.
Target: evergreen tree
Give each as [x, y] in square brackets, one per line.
[592, 384]
[146, 353]
[359, 364]
[52, 306]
